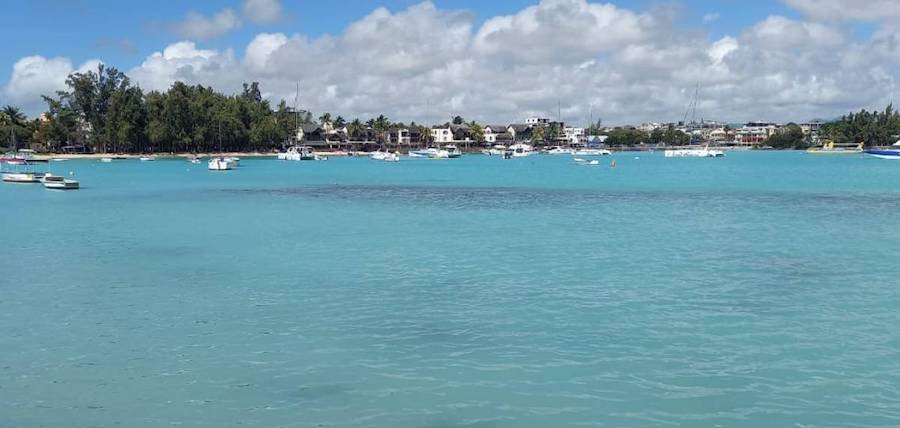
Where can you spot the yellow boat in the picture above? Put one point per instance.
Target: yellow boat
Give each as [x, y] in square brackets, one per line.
[829, 149]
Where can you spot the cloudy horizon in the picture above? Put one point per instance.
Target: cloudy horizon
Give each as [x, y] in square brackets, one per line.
[427, 62]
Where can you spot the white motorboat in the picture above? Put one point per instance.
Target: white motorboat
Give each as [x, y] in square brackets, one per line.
[379, 155]
[58, 159]
[106, 160]
[385, 156]
[440, 154]
[705, 152]
[194, 159]
[559, 150]
[521, 150]
[147, 158]
[591, 152]
[423, 153]
[589, 162]
[220, 164]
[56, 182]
[496, 150]
[452, 151]
[299, 153]
[20, 171]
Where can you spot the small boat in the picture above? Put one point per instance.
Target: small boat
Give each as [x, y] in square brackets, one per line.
[299, 153]
[58, 160]
[892, 152]
[705, 152]
[452, 151]
[106, 160]
[559, 150]
[384, 156]
[56, 182]
[829, 148]
[235, 161]
[147, 158]
[423, 153]
[591, 152]
[496, 150]
[194, 159]
[20, 171]
[581, 161]
[219, 164]
[521, 150]
[379, 155]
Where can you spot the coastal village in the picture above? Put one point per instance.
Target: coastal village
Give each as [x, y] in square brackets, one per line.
[542, 131]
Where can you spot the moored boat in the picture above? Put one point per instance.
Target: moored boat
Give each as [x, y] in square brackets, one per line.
[56, 182]
[705, 152]
[829, 148]
[452, 151]
[892, 152]
[496, 150]
[219, 164]
[520, 150]
[591, 152]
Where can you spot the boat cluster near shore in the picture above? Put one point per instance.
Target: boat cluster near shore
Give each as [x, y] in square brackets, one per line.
[24, 166]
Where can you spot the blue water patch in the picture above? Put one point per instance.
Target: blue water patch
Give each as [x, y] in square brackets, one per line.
[753, 290]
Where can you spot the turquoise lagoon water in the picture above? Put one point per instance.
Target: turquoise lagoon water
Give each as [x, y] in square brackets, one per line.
[759, 289]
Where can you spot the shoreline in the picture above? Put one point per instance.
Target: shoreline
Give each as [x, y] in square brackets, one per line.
[48, 156]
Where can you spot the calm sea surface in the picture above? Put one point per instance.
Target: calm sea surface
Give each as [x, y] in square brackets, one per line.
[756, 290]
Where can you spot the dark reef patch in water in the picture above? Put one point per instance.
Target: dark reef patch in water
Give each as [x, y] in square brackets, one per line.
[521, 198]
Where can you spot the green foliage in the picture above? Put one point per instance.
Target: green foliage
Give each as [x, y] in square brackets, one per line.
[626, 137]
[668, 136]
[103, 109]
[872, 128]
[476, 131]
[458, 120]
[789, 137]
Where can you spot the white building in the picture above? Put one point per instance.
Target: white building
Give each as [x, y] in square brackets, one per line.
[441, 135]
[574, 135]
[492, 131]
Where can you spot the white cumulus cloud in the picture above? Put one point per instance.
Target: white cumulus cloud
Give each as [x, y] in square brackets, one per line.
[202, 27]
[426, 64]
[33, 76]
[840, 10]
[263, 11]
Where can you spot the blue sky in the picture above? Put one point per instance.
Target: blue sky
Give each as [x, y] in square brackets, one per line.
[634, 61]
[123, 33]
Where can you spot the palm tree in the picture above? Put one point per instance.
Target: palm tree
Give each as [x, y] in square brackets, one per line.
[354, 128]
[381, 124]
[339, 122]
[325, 119]
[14, 115]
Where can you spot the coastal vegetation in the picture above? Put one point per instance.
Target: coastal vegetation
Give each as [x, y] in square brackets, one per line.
[791, 136]
[872, 128]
